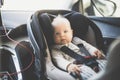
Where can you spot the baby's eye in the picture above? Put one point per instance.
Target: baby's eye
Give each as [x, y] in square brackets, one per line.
[65, 31]
[56, 33]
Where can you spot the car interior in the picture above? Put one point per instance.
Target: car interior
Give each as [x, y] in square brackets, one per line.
[32, 49]
[31, 42]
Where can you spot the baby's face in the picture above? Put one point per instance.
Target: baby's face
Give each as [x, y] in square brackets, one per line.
[63, 34]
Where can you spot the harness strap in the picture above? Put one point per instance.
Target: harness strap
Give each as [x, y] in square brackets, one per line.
[72, 54]
[87, 60]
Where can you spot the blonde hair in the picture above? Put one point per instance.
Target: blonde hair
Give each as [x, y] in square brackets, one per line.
[60, 19]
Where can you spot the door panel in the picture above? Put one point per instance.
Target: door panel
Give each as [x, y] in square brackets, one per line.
[110, 28]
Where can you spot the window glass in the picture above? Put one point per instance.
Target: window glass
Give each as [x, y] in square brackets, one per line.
[36, 4]
[102, 8]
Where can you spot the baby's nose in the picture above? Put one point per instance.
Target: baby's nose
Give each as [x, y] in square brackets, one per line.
[62, 34]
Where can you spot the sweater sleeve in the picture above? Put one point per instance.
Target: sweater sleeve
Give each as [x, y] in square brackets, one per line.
[91, 49]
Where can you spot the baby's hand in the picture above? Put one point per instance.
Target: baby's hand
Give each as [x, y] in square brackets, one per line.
[74, 68]
[98, 54]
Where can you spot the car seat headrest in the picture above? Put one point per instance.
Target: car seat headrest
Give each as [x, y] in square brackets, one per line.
[78, 23]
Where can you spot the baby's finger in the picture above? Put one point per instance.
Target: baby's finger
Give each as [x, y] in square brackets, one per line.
[77, 71]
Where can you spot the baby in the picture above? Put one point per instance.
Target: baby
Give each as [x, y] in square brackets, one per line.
[63, 35]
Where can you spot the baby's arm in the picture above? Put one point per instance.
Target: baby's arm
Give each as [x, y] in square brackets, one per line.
[94, 51]
[91, 49]
[97, 53]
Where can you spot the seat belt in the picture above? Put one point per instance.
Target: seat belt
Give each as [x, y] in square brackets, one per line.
[87, 60]
[84, 50]
[72, 54]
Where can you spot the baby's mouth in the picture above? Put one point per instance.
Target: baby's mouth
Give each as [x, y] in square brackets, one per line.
[63, 40]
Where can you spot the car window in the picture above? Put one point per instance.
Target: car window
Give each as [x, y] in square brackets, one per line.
[36, 4]
[105, 8]
[117, 13]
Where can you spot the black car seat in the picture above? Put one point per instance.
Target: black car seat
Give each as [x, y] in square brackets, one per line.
[112, 69]
[17, 56]
[40, 33]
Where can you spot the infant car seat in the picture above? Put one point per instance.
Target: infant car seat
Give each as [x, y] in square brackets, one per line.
[40, 33]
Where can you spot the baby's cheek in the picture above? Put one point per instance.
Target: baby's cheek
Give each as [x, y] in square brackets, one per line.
[56, 41]
[69, 41]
